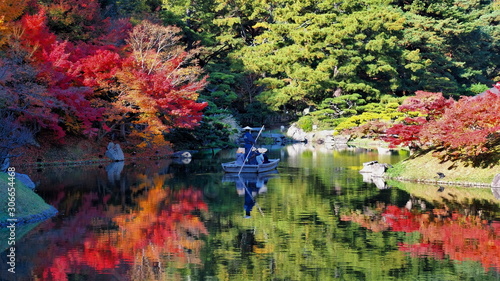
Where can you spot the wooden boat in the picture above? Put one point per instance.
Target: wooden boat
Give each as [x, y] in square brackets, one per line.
[249, 177]
[232, 167]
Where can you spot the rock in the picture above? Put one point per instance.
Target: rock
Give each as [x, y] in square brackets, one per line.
[380, 183]
[384, 150]
[114, 170]
[367, 177]
[374, 168]
[181, 154]
[114, 152]
[368, 167]
[296, 133]
[25, 179]
[495, 184]
[496, 192]
[378, 170]
[5, 165]
[341, 139]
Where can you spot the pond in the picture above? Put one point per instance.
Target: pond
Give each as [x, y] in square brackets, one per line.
[316, 218]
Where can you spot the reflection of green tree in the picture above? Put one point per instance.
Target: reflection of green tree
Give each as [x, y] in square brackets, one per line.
[301, 237]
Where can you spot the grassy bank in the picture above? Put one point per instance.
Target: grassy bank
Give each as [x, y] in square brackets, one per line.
[425, 167]
[29, 207]
[368, 143]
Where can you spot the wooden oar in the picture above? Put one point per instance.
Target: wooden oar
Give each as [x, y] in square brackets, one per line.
[244, 161]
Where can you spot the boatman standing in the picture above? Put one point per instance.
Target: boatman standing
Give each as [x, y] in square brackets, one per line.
[249, 140]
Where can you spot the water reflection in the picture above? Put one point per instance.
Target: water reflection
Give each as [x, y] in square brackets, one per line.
[315, 220]
[249, 186]
[437, 233]
[123, 226]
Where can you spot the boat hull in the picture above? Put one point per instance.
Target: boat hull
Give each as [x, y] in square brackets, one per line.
[232, 167]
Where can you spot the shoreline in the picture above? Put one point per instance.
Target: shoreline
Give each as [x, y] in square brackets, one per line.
[425, 169]
[85, 162]
[32, 218]
[25, 205]
[439, 182]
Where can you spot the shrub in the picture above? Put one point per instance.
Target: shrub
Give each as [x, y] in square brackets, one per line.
[305, 123]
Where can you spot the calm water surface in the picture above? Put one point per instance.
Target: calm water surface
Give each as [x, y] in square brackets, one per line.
[315, 219]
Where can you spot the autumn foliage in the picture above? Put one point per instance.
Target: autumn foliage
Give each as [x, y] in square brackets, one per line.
[470, 127]
[68, 70]
[467, 129]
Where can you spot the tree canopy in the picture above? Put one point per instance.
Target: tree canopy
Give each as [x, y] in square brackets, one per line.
[143, 67]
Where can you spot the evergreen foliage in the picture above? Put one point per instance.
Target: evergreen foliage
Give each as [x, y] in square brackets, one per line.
[261, 59]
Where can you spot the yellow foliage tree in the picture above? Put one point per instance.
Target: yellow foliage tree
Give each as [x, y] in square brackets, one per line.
[10, 10]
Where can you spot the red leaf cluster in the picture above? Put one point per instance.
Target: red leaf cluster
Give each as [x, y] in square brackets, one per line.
[470, 127]
[466, 129]
[93, 86]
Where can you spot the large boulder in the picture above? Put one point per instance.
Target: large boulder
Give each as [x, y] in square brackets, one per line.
[296, 133]
[114, 152]
[374, 168]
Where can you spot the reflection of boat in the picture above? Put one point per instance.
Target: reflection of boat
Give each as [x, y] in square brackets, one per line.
[249, 177]
[250, 185]
[232, 167]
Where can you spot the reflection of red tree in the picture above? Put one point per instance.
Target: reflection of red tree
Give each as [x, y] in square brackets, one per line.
[423, 250]
[162, 225]
[400, 219]
[443, 233]
[465, 238]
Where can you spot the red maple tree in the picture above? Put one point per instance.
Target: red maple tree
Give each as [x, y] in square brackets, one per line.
[103, 83]
[421, 109]
[468, 129]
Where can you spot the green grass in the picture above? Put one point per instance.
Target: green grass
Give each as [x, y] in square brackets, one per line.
[28, 203]
[368, 143]
[425, 167]
[28, 206]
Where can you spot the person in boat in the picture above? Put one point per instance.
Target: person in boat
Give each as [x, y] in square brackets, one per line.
[240, 156]
[252, 157]
[248, 139]
[262, 157]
